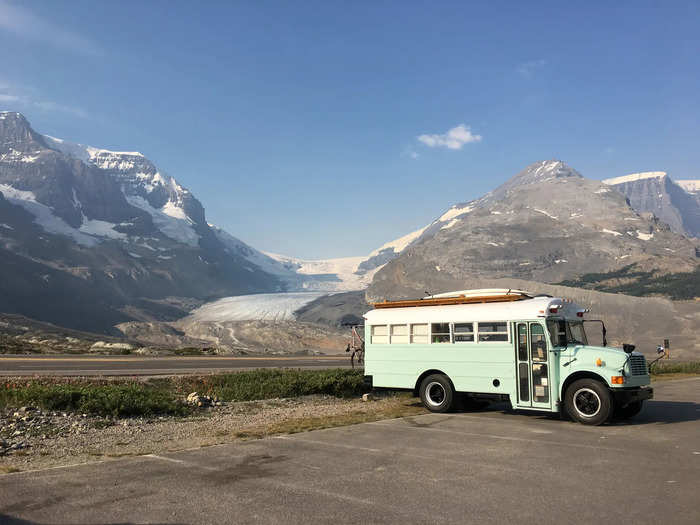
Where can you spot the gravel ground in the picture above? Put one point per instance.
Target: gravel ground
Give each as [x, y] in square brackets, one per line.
[33, 439]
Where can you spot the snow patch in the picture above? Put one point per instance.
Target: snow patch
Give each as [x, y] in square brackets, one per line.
[454, 212]
[612, 232]
[644, 236]
[100, 229]
[691, 186]
[450, 224]
[633, 177]
[179, 230]
[44, 216]
[398, 245]
[543, 212]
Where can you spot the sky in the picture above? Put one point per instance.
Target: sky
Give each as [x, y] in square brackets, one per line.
[324, 129]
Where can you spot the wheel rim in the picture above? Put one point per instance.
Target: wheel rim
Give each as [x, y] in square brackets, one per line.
[587, 402]
[435, 394]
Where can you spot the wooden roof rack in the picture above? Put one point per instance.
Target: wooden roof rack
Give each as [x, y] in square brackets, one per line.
[457, 299]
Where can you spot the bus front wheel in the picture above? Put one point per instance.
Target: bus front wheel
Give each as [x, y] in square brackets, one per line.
[437, 393]
[589, 402]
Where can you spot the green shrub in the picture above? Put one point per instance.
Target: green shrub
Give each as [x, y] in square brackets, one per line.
[666, 367]
[119, 400]
[270, 383]
[124, 398]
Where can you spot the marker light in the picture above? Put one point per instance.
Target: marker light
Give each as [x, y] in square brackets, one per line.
[617, 380]
[553, 309]
[599, 362]
[579, 314]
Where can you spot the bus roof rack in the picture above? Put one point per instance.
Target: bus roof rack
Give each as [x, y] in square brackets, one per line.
[487, 295]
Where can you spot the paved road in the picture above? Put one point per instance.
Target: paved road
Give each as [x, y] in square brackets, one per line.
[127, 365]
[486, 468]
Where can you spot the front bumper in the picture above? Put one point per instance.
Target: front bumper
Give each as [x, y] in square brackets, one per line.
[625, 396]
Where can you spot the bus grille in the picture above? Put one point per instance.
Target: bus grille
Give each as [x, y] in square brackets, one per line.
[638, 365]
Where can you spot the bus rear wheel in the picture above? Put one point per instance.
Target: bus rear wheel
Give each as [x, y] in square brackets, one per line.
[589, 402]
[437, 393]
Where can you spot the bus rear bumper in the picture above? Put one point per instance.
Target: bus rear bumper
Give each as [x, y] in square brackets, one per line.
[625, 396]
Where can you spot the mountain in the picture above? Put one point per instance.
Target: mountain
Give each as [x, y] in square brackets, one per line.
[91, 237]
[546, 224]
[675, 203]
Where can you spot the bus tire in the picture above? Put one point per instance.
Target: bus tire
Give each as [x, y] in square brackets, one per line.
[437, 393]
[629, 411]
[589, 402]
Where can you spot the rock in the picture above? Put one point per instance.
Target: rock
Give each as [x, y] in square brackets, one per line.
[367, 397]
[104, 345]
[195, 399]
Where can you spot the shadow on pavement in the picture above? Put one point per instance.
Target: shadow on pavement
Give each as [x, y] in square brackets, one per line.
[664, 412]
[653, 412]
[9, 520]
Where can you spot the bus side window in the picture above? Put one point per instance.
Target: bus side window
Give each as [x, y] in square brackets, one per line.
[380, 334]
[399, 334]
[489, 332]
[464, 332]
[419, 334]
[440, 333]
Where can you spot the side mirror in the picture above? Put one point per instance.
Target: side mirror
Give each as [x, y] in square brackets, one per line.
[628, 348]
[660, 349]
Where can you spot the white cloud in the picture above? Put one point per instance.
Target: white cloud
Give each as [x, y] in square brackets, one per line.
[21, 21]
[529, 68]
[455, 138]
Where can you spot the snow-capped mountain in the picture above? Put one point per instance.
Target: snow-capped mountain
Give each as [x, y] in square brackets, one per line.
[548, 224]
[77, 220]
[675, 203]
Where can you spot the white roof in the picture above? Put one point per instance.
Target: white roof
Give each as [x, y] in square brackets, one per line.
[483, 292]
[456, 313]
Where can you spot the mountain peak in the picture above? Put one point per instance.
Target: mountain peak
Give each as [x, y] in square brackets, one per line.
[16, 132]
[537, 173]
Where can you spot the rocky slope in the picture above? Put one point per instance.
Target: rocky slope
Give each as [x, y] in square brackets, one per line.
[675, 203]
[90, 237]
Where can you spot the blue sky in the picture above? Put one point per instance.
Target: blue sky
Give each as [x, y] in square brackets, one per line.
[319, 128]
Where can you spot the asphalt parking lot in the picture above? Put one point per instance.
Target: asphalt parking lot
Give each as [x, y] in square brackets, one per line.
[486, 467]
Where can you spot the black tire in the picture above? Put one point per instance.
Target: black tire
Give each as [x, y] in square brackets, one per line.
[629, 411]
[589, 402]
[437, 393]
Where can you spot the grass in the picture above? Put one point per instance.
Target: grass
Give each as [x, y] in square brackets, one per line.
[400, 406]
[163, 396]
[8, 470]
[271, 383]
[666, 367]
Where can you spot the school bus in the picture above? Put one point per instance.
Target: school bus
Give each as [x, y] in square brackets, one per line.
[472, 347]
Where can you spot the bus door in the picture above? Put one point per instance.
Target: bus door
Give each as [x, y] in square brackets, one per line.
[532, 366]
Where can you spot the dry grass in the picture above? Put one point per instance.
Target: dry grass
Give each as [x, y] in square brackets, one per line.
[397, 406]
[8, 470]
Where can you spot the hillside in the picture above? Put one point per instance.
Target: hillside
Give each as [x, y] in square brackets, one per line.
[90, 237]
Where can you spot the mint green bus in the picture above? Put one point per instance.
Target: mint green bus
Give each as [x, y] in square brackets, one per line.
[476, 346]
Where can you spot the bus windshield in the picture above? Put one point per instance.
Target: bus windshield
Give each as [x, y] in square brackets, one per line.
[563, 333]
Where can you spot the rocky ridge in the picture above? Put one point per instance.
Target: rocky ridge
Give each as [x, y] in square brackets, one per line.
[677, 203]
